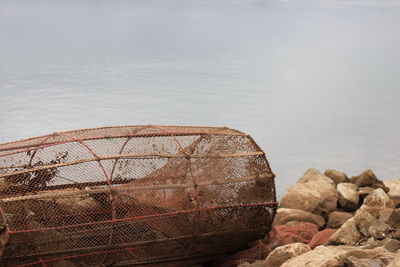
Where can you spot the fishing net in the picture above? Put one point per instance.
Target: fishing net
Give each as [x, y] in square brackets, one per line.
[132, 195]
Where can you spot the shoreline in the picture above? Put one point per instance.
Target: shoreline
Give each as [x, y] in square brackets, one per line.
[328, 219]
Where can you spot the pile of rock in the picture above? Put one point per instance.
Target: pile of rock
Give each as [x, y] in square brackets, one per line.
[331, 220]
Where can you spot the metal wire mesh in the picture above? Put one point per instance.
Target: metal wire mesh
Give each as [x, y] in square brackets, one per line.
[132, 195]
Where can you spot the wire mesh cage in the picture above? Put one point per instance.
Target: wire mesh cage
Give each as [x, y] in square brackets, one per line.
[132, 196]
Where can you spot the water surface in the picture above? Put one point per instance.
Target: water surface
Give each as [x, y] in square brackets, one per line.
[316, 83]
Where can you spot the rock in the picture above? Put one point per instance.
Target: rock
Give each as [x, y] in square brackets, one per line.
[356, 262]
[385, 218]
[348, 234]
[284, 253]
[291, 223]
[312, 175]
[348, 196]
[378, 204]
[362, 226]
[338, 218]
[320, 256]
[394, 219]
[316, 196]
[394, 191]
[363, 192]
[321, 237]
[379, 255]
[396, 261]
[283, 235]
[257, 263]
[369, 226]
[391, 245]
[368, 178]
[284, 215]
[337, 176]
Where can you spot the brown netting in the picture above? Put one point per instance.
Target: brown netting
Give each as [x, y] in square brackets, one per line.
[132, 195]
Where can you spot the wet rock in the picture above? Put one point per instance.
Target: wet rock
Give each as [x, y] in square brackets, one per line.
[321, 237]
[394, 191]
[338, 218]
[284, 216]
[368, 178]
[312, 175]
[348, 196]
[281, 254]
[337, 176]
[316, 196]
[283, 235]
[320, 256]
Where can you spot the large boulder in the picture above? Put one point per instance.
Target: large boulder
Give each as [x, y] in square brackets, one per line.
[312, 175]
[284, 216]
[394, 191]
[337, 176]
[368, 178]
[320, 256]
[312, 193]
[338, 218]
[284, 253]
[348, 196]
[348, 234]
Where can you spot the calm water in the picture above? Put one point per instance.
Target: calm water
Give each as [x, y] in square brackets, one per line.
[317, 83]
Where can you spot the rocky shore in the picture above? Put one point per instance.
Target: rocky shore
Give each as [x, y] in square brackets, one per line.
[328, 219]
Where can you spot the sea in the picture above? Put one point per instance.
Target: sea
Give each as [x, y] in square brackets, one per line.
[315, 82]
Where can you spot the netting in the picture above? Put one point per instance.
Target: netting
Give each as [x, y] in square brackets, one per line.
[132, 195]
